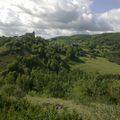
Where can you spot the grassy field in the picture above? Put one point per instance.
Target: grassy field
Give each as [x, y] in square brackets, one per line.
[94, 111]
[100, 65]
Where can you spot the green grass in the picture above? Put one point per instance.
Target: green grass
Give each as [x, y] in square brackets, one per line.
[100, 65]
[94, 111]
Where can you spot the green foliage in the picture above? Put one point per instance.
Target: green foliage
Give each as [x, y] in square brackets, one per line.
[53, 68]
[105, 91]
[13, 109]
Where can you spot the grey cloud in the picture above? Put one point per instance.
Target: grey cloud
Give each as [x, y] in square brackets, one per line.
[52, 17]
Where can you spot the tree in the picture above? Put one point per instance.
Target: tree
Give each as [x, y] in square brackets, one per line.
[24, 82]
[70, 53]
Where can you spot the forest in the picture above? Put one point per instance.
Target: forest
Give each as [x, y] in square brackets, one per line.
[81, 73]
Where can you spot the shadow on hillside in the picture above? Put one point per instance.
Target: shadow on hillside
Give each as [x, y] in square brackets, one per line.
[78, 60]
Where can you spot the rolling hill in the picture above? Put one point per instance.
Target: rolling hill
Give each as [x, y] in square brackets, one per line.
[79, 73]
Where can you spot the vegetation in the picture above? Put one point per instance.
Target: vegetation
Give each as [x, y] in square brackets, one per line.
[81, 68]
[12, 109]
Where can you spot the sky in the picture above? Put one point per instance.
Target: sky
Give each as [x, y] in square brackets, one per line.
[100, 6]
[50, 18]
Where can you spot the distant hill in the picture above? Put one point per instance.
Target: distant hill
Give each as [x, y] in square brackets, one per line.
[79, 38]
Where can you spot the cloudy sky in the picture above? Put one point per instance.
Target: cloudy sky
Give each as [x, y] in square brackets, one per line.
[49, 18]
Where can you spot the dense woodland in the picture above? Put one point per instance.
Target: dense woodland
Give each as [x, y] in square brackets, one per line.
[34, 66]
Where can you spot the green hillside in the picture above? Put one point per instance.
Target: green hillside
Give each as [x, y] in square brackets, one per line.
[100, 65]
[94, 111]
[64, 78]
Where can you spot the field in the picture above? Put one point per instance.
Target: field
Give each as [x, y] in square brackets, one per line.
[94, 111]
[100, 65]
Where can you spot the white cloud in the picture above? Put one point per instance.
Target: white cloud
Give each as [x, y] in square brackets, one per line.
[112, 17]
[54, 17]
